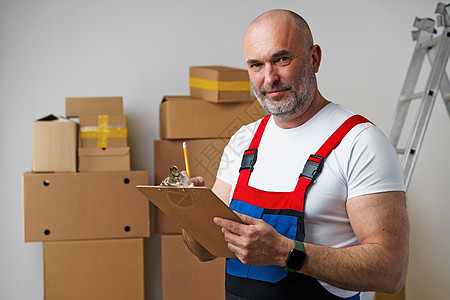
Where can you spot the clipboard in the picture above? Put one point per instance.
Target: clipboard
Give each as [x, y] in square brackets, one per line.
[193, 208]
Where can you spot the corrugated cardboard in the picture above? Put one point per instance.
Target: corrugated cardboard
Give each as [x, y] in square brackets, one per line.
[183, 117]
[93, 270]
[112, 134]
[219, 84]
[87, 106]
[77, 206]
[184, 277]
[204, 159]
[54, 145]
[103, 159]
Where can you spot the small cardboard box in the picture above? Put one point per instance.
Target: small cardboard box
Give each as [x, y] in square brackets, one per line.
[183, 276]
[219, 84]
[92, 270]
[103, 159]
[204, 159]
[183, 117]
[103, 131]
[81, 206]
[88, 106]
[54, 145]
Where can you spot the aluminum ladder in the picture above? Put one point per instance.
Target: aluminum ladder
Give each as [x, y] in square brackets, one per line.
[437, 49]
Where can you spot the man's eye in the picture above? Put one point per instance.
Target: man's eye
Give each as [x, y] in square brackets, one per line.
[255, 66]
[283, 61]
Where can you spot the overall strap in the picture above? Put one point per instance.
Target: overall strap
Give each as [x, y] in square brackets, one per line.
[314, 164]
[250, 155]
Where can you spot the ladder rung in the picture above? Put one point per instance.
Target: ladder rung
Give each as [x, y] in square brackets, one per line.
[411, 97]
[402, 151]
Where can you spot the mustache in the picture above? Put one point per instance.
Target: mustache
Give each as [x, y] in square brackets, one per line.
[277, 86]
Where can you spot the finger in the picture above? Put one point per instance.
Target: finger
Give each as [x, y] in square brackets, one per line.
[231, 237]
[247, 219]
[230, 225]
[197, 181]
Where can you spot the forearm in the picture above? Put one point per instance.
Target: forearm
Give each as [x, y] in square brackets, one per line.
[196, 248]
[368, 267]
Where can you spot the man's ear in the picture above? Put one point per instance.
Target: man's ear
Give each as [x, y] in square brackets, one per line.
[316, 57]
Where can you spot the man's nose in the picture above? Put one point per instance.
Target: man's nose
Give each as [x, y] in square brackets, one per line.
[271, 75]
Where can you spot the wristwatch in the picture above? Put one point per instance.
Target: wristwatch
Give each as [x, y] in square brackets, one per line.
[296, 257]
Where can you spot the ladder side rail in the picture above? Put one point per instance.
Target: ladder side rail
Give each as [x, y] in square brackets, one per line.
[444, 87]
[408, 88]
[429, 97]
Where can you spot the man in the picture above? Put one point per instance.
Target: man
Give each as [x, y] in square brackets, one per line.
[341, 226]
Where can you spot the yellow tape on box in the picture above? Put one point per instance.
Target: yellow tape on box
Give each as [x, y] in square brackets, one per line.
[217, 85]
[103, 132]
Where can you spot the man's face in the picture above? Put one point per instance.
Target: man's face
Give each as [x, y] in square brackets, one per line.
[280, 68]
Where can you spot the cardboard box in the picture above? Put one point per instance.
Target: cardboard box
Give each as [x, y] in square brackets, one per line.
[81, 206]
[88, 106]
[103, 159]
[54, 145]
[204, 159]
[182, 117]
[219, 84]
[103, 131]
[92, 270]
[183, 276]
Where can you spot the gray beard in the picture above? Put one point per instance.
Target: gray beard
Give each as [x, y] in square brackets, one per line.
[299, 97]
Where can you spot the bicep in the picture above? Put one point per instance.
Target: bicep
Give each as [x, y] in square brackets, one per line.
[380, 218]
[222, 190]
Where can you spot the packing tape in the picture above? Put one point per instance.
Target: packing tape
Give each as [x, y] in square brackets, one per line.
[103, 132]
[217, 85]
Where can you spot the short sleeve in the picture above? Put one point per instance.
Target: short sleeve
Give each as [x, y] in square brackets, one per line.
[373, 165]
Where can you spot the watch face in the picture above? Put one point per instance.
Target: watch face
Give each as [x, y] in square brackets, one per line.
[295, 259]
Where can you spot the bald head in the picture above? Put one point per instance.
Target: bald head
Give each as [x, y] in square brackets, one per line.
[280, 18]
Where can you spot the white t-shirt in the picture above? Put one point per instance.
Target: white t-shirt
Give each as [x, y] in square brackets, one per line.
[363, 163]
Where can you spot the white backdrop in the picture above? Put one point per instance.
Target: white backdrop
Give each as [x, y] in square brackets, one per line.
[142, 50]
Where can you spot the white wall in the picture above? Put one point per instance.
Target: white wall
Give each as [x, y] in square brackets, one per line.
[142, 50]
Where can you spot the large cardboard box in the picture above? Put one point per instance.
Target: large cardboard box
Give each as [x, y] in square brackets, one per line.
[93, 270]
[86, 106]
[103, 159]
[54, 145]
[103, 131]
[80, 206]
[183, 276]
[219, 84]
[204, 159]
[183, 117]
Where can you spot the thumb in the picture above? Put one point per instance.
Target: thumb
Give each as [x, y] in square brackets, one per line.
[247, 219]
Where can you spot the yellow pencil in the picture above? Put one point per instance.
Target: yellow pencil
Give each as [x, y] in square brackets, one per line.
[186, 161]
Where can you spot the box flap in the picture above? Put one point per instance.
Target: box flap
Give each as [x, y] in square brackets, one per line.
[48, 118]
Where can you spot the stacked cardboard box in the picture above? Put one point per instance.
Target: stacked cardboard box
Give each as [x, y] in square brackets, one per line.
[103, 133]
[219, 104]
[91, 219]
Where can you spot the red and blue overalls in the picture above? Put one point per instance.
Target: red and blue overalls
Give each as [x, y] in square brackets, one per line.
[285, 212]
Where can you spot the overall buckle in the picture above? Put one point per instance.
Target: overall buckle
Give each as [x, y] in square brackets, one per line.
[313, 167]
[249, 159]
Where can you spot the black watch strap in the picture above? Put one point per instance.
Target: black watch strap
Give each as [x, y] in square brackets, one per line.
[296, 257]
